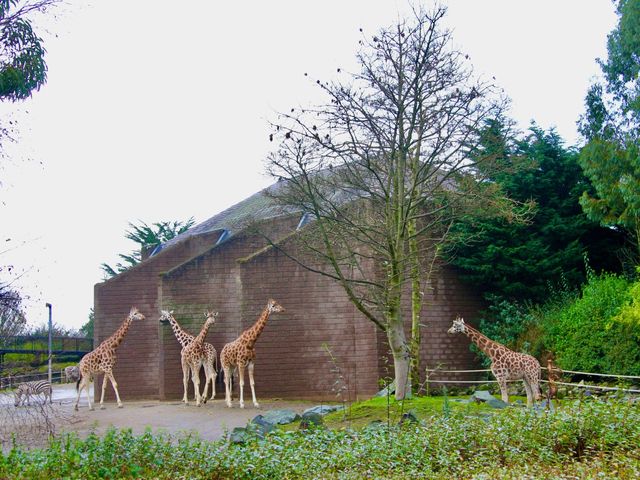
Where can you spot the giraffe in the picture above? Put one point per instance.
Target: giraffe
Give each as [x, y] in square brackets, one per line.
[102, 359]
[192, 356]
[210, 360]
[241, 353]
[505, 364]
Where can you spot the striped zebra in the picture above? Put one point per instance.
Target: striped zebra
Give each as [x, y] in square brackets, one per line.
[25, 390]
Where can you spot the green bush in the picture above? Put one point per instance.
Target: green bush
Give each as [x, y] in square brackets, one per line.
[596, 332]
[586, 439]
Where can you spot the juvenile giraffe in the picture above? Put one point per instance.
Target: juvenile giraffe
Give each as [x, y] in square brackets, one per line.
[102, 359]
[505, 364]
[210, 360]
[241, 353]
[192, 356]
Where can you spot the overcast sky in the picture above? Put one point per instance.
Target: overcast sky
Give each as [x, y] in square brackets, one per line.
[158, 110]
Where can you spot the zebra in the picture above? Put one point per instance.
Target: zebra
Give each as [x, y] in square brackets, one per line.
[72, 373]
[25, 390]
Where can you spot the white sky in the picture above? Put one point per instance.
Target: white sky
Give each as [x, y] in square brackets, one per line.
[158, 110]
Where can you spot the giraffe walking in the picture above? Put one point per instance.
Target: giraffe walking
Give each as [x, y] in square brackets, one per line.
[505, 364]
[241, 353]
[102, 359]
[210, 360]
[192, 355]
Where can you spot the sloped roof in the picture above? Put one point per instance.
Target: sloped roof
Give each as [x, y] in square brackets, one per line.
[259, 206]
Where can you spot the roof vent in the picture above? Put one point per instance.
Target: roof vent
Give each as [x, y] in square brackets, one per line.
[306, 218]
[224, 236]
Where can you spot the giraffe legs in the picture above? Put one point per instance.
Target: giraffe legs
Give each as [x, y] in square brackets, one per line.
[227, 385]
[253, 389]
[114, 384]
[527, 388]
[195, 378]
[104, 387]
[210, 375]
[85, 381]
[503, 389]
[241, 382]
[185, 381]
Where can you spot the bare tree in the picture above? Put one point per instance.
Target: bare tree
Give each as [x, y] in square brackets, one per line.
[383, 169]
[12, 319]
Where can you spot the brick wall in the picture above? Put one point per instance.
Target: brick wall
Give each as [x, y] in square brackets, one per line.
[136, 369]
[319, 345]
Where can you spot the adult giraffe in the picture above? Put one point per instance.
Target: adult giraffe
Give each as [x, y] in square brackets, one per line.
[209, 361]
[102, 359]
[505, 364]
[241, 353]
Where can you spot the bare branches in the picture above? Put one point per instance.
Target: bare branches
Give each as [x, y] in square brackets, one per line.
[381, 166]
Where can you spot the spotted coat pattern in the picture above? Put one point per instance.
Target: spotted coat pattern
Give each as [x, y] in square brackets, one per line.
[506, 364]
[102, 359]
[192, 356]
[241, 353]
[210, 360]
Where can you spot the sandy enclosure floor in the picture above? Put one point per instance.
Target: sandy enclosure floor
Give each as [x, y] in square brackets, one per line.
[209, 421]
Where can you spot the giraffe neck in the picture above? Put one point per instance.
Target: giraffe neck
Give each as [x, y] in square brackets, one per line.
[183, 337]
[199, 340]
[114, 340]
[250, 336]
[483, 342]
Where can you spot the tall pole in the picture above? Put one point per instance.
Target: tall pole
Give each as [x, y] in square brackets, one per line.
[50, 338]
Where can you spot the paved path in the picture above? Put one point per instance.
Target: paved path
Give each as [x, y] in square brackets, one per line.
[210, 420]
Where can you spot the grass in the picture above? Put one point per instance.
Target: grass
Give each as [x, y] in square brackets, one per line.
[361, 414]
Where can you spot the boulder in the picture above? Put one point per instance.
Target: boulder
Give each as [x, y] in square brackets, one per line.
[279, 417]
[310, 418]
[322, 409]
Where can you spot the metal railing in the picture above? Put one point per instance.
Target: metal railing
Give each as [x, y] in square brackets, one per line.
[30, 344]
[10, 381]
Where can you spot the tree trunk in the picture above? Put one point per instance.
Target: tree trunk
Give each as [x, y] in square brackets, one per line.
[401, 358]
[416, 305]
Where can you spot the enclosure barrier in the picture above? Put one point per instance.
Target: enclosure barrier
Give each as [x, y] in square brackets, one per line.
[560, 371]
[11, 381]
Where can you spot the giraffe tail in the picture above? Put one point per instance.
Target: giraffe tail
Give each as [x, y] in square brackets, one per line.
[78, 382]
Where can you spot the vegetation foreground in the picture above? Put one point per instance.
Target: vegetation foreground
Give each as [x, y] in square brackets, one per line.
[589, 438]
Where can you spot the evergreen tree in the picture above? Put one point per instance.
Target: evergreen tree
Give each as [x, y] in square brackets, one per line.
[515, 260]
[147, 237]
[611, 127]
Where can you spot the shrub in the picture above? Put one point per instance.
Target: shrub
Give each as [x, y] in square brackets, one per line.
[590, 335]
[586, 439]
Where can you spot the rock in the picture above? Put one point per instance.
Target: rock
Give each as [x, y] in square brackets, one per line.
[262, 425]
[238, 435]
[388, 390]
[280, 417]
[310, 418]
[322, 409]
[496, 403]
[408, 417]
[482, 396]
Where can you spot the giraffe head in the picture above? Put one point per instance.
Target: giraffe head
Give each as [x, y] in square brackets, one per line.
[458, 326]
[135, 314]
[211, 317]
[165, 316]
[274, 307]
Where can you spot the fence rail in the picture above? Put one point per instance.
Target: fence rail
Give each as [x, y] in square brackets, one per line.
[431, 371]
[30, 344]
[10, 381]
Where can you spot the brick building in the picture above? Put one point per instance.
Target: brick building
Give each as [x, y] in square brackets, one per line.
[222, 265]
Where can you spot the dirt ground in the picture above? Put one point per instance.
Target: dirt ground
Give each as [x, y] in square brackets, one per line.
[210, 421]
